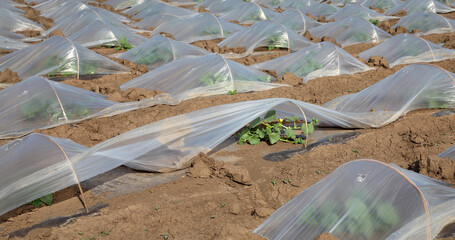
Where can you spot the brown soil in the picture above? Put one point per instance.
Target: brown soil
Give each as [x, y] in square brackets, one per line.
[9, 76]
[355, 49]
[377, 10]
[241, 24]
[386, 26]
[212, 46]
[218, 200]
[30, 33]
[34, 15]
[448, 40]
[253, 59]
[56, 32]
[202, 9]
[401, 13]
[378, 61]
[326, 236]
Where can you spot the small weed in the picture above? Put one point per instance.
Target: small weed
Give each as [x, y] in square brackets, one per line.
[80, 233]
[48, 199]
[223, 204]
[374, 22]
[213, 216]
[157, 208]
[274, 182]
[319, 172]
[146, 229]
[165, 235]
[106, 233]
[232, 92]
[330, 138]
[355, 151]
[285, 181]
[444, 133]
[359, 89]
[350, 90]
[123, 44]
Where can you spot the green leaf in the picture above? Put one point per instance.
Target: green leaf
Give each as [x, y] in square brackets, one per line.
[255, 122]
[274, 137]
[260, 133]
[254, 139]
[270, 116]
[292, 119]
[290, 133]
[387, 213]
[48, 199]
[310, 128]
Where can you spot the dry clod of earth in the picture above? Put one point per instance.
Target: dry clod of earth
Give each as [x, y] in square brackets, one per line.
[9, 76]
[167, 35]
[212, 46]
[202, 9]
[377, 9]
[56, 32]
[378, 61]
[326, 236]
[398, 30]
[291, 79]
[401, 13]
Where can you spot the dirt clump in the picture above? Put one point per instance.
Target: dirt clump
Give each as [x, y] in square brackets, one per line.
[323, 39]
[137, 94]
[378, 61]
[401, 13]
[377, 9]
[291, 79]
[212, 46]
[279, 9]
[325, 236]
[34, 15]
[329, 39]
[202, 9]
[167, 35]
[386, 25]
[241, 24]
[56, 32]
[398, 30]
[136, 69]
[9, 76]
[30, 33]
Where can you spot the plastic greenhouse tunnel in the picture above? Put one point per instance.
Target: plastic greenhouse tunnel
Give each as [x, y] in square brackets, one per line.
[217, 7]
[366, 199]
[449, 153]
[426, 23]
[295, 20]
[40, 103]
[59, 57]
[203, 26]
[210, 75]
[247, 13]
[161, 50]
[319, 60]
[6, 5]
[343, 3]
[353, 9]
[79, 20]
[151, 22]
[141, 7]
[163, 8]
[408, 48]
[267, 34]
[294, 4]
[10, 44]
[420, 6]
[351, 31]
[320, 10]
[382, 4]
[122, 4]
[15, 22]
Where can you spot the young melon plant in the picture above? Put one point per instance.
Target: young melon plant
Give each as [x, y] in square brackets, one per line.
[272, 129]
[48, 199]
[123, 44]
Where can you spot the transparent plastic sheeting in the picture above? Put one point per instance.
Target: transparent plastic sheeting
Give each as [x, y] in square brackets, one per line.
[295, 20]
[295, 4]
[11, 44]
[203, 26]
[359, 11]
[98, 33]
[122, 4]
[59, 57]
[408, 48]
[319, 60]
[427, 23]
[210, 75]
[351, 31]
[141, 7]
[266, 34]
[37, 165]
[79, 20]
[219, 6]
[151, 22]
[161, 50]
[15, 22]
[342, 3]
[247, 13]
[163, 8]
[61, 9]
[38, 103]
[420, 6]
[10, 7]
[366, 199]
[12, 3]
[382, 4]
[449, 153]
[320, 10]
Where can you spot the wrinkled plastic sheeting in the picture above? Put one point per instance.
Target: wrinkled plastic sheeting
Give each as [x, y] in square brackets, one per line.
[12, 3]
[365, 199]
[4, 4]
[37, 165]
[359, 11]
[351, 31]
[319, 60]
[40, 103]
[11, 44]
[296, 4]
[449, 153]
[79, 20]
[161, 50]
[420, 6]
[295, 20]
[382, 4]
[99, 33]
[210, 75]
[61, 9]
[427, 23]
[59, 56]
[342, 3]
[122, 4]
[219, 6]
[140, 7]
[320, 10]
[248, 13]
[266, 34]
[413, 87]
[156, 20]
[203, 26]
[15, 22]
[163, 8]
[408, 48]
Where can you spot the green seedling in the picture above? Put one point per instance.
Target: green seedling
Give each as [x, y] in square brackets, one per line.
[274, 182]
[374, 22]
[232, 92]
[165, 235]
[48, 199]
[306, 66]
[157, 208]
[123, 44]
[355, 151]
[223, 204]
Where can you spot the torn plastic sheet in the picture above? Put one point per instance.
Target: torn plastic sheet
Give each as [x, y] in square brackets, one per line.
[351, 31]
[59, 57]
[408, 48]
[365, 199]
[210, 75]
[267, 34]
[319, 60]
